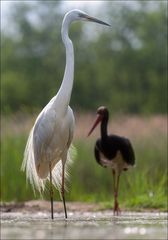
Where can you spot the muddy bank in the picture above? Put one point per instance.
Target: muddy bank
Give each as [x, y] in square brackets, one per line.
[44, 206]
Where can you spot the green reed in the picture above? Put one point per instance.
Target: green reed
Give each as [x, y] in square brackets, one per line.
[143, 186]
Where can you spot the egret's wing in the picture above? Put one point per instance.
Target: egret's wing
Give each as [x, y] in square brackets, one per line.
[37, 148]
[71, 127]
[38, 137]
[42, 135]
[71, 155]
[43, 129]
[57, 171]
[28, 165]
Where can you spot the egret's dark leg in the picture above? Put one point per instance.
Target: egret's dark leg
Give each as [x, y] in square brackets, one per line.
[62, 189]
[51, 192]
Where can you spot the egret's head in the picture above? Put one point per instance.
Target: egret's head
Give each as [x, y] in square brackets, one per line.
[77, 14]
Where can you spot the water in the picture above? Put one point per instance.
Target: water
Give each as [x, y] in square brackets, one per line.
[88, 225]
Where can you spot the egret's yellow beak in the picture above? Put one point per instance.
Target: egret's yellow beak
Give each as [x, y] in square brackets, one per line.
[92, 19]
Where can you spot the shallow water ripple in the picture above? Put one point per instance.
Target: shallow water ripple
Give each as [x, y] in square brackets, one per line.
[88, 225]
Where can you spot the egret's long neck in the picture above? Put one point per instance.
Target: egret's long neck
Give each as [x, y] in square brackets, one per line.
[64, 93]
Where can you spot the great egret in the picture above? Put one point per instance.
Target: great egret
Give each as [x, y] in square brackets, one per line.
[112, 151]
[47, 153]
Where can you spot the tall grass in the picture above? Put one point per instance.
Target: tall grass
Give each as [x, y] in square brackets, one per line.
[142, 186]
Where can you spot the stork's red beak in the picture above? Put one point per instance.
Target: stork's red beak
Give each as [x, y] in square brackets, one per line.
[98, 119]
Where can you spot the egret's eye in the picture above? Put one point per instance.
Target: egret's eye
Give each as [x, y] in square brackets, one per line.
[81, 15]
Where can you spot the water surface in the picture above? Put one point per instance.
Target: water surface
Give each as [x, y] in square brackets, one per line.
[88, 225]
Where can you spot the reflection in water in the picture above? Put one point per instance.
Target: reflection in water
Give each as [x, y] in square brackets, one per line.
[135, 230]
[99, 225]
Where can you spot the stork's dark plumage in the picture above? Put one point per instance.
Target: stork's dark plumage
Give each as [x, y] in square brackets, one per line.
[112, 151]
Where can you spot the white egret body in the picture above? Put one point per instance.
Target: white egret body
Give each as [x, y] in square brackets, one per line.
[47, 153]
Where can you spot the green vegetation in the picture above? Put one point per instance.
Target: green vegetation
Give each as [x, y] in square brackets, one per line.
[128, 59]
[141, 187]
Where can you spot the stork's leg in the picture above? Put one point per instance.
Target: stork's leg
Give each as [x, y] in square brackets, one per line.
[113, 172]
[116, 188]
[62, 189]
[51, 191]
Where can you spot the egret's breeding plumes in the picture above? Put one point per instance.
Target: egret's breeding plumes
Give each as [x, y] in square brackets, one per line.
[112, 151]
[48, 150]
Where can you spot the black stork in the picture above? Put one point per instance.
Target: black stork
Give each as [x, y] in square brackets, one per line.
[112, 151]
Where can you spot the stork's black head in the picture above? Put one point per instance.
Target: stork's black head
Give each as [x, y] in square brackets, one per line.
[102, 113]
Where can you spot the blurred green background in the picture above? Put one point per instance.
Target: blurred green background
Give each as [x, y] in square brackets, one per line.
[123, 67]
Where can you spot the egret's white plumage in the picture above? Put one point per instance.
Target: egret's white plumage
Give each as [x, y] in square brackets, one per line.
[48, 150]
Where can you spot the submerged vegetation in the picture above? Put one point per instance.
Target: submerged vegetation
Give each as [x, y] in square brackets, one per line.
[143, 186]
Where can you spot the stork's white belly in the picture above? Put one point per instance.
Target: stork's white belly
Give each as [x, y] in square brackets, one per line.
[117, 163]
